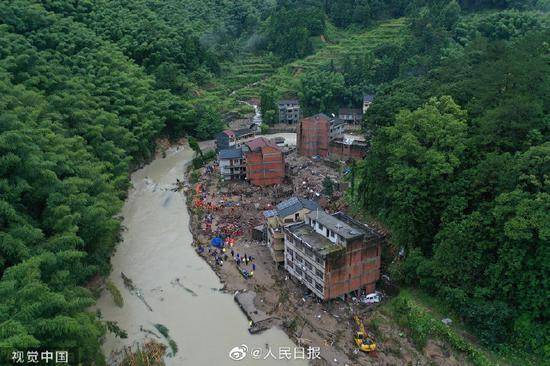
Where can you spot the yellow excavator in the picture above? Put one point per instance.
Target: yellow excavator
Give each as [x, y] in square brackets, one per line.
[363, 340]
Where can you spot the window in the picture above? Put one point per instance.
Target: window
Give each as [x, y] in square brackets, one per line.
[298, 271]
[296, 216]
[309, 266]
[308, 278]
[319, 274]
[319, 260]
[290, 252]
[289, 264]
[299, 258]
[319, 287]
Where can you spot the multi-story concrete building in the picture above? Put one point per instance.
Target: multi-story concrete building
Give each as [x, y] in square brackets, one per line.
[225, 140]
[232, 166]
[229, 139]
[332, 255]
[285, 213]
[289, 111]
[314, 134]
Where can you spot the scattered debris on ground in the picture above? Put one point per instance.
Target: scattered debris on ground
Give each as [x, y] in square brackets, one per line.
[224, 216]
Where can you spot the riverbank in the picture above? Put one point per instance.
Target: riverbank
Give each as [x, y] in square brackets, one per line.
[171, 287]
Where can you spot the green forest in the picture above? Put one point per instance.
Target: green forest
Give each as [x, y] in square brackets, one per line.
[458, 170]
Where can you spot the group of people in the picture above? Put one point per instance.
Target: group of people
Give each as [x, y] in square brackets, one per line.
[245, 264]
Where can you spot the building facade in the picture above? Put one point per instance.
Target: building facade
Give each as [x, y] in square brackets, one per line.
[265, 162]
[225, 140]
[314, 134]
[285, 213]
[347, 147]
[232, 166]
[289, 111]
[332, 255]
[260, 161]
[351, 115]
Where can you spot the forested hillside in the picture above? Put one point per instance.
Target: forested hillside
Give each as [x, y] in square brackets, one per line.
[458, 169]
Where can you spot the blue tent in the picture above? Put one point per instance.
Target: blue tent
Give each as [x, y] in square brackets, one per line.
[217, 242]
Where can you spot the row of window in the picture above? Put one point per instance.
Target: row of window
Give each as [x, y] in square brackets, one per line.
[307, 250]
[308, 278]
[307, 264]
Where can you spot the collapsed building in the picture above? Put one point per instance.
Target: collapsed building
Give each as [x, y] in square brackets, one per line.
[314, 133]
[320, 135]
[332, 255]
[351, 115]
[285, 213]
[259, 161]
[348, 146]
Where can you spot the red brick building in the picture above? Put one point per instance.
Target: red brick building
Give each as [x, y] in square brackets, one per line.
[314, 134]
[265, 162]
[333, 255]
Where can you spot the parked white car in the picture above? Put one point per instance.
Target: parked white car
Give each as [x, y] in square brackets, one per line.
[373, 298]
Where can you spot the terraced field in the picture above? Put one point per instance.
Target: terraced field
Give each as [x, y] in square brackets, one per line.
[285, 78]
[243, 79]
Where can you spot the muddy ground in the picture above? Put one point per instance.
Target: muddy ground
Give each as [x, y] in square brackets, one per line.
[236, 208]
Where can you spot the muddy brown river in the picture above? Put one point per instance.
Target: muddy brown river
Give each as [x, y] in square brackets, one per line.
[155, 252]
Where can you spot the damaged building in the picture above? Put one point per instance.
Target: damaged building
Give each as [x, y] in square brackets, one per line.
[265, 162]
[259, 161]
[347, 146]
[289, 111]
[285, 213]
[332, 255]
[229, 139]
[351, 115]
[314, 134]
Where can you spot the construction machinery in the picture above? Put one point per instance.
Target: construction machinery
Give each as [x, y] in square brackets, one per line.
[363, 339]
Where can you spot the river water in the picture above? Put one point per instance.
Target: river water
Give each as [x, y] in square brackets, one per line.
[155, 251]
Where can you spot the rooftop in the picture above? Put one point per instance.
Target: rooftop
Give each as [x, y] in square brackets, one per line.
[230, 154]
[260, 142]
[288, 101]
[314, 240]
[243, 131]
[368, 98]
[348, 139]
[229, 133]
[350, 111]
[293, 205]
[341, 224]
[323, 117]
